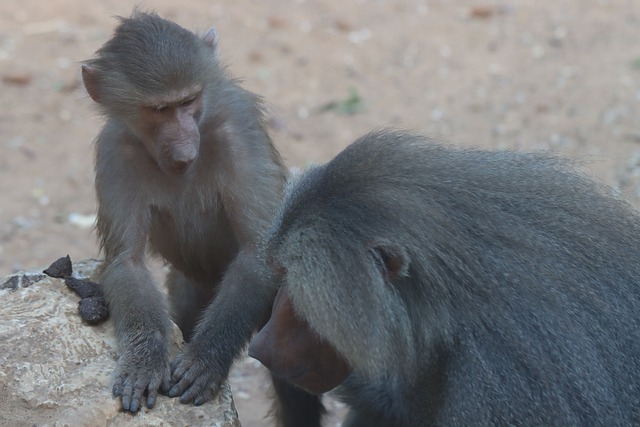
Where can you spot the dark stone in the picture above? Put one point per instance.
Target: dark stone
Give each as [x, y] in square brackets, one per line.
[21, 280]
[84, 288]
[31, 278]
[60, 269]
[93, 310]
[11, 283]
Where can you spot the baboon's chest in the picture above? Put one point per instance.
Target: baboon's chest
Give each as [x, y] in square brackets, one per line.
[198, 241]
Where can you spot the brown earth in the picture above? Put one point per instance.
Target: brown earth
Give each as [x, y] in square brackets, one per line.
[530, 75]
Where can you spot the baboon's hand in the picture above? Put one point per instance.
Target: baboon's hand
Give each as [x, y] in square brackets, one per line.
[194, 376]
[138, 375]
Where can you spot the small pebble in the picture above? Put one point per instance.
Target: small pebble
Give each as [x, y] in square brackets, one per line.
[60, 268]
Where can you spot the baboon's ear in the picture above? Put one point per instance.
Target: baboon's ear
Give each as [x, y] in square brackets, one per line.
[211, 38]
[391, 259]
[91, 80]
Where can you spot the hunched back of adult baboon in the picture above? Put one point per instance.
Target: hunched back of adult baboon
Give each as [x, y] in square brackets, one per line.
[462, 286]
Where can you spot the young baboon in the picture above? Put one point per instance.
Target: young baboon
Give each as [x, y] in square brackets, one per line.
[443, 286]
[184, 166]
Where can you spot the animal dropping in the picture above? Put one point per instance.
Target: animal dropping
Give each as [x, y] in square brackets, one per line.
[60, 268]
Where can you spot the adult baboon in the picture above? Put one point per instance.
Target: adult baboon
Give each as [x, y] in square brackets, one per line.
[442, 286]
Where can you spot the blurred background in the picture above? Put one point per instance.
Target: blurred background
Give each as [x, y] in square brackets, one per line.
[550, 75]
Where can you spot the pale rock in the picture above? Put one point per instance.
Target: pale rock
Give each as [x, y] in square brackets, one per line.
[56, 370]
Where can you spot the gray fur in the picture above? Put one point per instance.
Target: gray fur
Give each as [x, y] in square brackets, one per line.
[206, 223]
[520, 304]
[150, 62]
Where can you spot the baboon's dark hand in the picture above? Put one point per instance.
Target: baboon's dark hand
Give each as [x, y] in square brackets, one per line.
[136, 378]
[194, 378]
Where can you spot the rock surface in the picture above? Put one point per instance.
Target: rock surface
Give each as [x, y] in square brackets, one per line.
[56, 370]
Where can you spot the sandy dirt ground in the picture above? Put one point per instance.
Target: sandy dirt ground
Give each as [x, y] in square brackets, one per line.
[550, 75]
